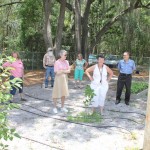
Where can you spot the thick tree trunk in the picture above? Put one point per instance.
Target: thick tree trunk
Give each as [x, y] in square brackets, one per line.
[147, 127]
[60, 26]
[47, 25]
[78, 25]
[84, 44]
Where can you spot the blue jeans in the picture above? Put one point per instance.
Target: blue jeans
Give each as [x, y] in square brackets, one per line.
[13, 91]
[49, 72]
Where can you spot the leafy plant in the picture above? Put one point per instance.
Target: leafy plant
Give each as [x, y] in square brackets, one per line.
[86, 118]
[133, 136]
[6, 133]
[138, 87]
[89, 94]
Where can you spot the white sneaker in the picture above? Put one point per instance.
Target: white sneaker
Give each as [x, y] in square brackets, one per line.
[55, 110]
[64, 110]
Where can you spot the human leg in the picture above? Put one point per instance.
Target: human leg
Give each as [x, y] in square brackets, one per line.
[52, 74]
[13, 90]
[101, 110]
[81, 72]
[55, 105]
[128, 89]
[21, 92]
[120, 85]
[63, 109]
[76, 76]
[47, 73]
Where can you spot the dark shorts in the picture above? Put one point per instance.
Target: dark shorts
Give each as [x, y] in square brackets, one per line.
[14, 89]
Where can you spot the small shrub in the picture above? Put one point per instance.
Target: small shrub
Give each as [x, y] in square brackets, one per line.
[6, 133]
[138, 87]
[89, 94]
[86, 118]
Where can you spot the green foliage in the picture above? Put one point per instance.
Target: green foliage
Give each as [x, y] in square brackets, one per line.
[22, 26]
[138, 87]
[32, 25]
[89, 94]
[6, 133]
[86, 118]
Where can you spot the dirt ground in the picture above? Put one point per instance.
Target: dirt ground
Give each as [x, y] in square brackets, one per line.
[37, 77]
[121, 127]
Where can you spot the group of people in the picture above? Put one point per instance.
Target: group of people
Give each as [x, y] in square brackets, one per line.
[99, 75]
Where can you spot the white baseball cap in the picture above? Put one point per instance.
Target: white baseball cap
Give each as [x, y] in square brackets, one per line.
[49, 49]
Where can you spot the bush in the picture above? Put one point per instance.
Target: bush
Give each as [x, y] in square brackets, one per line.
[6, 133]
[138, 87]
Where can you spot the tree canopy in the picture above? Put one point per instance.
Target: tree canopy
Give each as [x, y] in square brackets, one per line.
[87, 26]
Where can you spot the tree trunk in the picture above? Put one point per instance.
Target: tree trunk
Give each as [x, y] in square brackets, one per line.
[60, 26]
[84, 44]
[47, 25]
[147, 126]
[78, 25]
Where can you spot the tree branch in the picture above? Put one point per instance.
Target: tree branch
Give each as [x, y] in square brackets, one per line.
[69, 6]
[106, 27]
[11, 3]
[139, 4]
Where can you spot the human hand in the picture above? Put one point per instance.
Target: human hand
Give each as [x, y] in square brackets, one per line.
[91, 78]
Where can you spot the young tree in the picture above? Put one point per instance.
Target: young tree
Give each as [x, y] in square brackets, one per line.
[6, 133]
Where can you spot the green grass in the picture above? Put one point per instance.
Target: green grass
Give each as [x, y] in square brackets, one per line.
[86, 118]
[138, 87]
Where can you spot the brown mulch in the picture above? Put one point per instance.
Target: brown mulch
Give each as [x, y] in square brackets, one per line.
[37, 77]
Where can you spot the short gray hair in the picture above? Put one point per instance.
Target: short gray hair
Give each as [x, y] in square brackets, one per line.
[62, 52]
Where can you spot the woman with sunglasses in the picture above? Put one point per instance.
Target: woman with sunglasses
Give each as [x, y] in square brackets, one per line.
[60, 90]
[80, 66]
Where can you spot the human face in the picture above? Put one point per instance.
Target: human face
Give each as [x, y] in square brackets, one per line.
[15, 55]
[125, 56]
[79, 57]
[101, 61]
[64, 56]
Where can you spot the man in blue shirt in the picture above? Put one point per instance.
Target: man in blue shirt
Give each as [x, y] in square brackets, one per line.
[126, 68]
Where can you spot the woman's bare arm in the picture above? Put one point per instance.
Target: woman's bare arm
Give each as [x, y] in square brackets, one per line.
[110, 72]
[90, 69]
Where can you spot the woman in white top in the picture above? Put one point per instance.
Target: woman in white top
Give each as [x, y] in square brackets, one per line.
[102, 74]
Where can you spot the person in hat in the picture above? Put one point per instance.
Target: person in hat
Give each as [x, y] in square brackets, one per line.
[48, 64]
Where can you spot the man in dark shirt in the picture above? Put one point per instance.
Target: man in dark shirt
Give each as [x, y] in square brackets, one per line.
[126, 67]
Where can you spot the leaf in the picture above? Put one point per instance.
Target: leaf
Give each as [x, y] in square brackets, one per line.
[17, 135]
